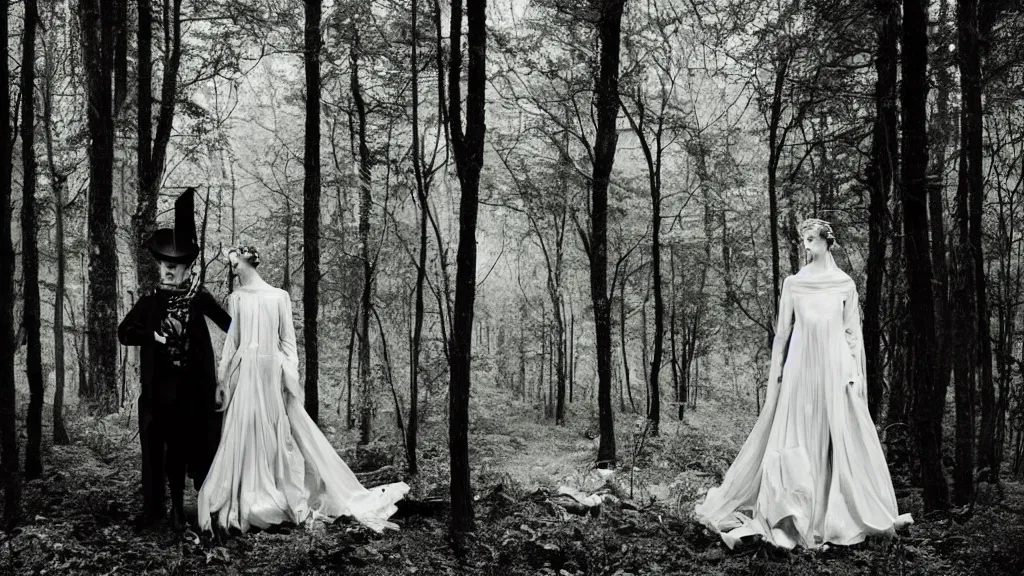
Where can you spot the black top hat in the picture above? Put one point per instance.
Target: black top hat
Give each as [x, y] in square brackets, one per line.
[177, 244]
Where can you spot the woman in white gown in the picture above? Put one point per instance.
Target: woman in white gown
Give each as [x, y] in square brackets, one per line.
[273, 464]
[812, 470]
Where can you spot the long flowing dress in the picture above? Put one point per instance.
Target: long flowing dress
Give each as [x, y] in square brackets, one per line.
[273, 463]
[812, 470]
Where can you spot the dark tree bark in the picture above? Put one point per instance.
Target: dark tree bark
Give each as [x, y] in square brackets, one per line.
[929, 399]
[524, 389]
[8, 438]
[98, 25]
[311, 211]
[59, 181]
[152, 149]
[970, 51]
[30, 246]
[555, 293]
[365, 204]
[653, 156]
[421, 264]
[543, 362]
[775, 143]
[622, 343]
[898, 419]
[965, 325]
[606, 93]
[939, 136]
[350, 422]
[121, 56]
[881, 174]
[672, 331]
[468, 148]
[144, 219]
[572, 352]
[654, 415]
[286, 270]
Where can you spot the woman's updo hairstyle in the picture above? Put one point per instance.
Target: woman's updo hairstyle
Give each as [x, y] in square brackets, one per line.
[248, 253]
[820, 227]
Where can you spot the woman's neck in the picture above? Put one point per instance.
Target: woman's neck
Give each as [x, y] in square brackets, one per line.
[249, 278]
[818, 264]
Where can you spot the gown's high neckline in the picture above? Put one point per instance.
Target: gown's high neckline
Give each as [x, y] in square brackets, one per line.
[829, 277]
[255, 285]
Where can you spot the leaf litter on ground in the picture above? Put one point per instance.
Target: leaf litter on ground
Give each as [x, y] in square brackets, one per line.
[541, 508]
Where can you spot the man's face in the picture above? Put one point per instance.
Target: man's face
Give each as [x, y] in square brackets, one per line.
[172, 273]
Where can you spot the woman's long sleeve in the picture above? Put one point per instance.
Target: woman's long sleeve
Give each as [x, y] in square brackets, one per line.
[289, 350]
[208, 306]
[854, 338]
[230, 342]
[783, 330]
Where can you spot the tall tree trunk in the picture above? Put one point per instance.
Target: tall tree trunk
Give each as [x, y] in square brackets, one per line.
[144, 219]
[98, 25]
[644, 352]
[58, 181]
[881, 174]
[422, 191]
[543, 361]
[654, 415]
[311, 211]
[350, 422]
[551, 381]
[972, 129]
[525, 390]
[30, 246]
[572, 352]
[775, 141]
[1009, 282]
[121, 56]
[939, 137]
[929, 399]
[557, 345]
[286, 270]
[365, 203]
[607, 104]
[900, 395]
[8, 438]
[672, 330]
[965, 327]
[152, 149]
[653, 155]
[622, 341]
[468, 147]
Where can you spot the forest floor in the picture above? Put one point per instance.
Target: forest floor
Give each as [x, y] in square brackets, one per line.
[79, 515]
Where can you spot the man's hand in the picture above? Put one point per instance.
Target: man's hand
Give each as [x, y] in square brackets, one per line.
[171, 327]
[159, 338]
[221, 397]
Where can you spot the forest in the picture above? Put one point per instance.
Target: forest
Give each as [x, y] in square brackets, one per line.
[535, 250]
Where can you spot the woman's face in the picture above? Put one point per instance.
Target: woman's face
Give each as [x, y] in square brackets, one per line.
[814, 244]
[236, 261]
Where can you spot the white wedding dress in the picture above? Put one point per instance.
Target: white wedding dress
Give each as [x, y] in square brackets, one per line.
[273, 464]
[812, 470]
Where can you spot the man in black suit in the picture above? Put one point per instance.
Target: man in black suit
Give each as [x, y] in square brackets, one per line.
[179, 425]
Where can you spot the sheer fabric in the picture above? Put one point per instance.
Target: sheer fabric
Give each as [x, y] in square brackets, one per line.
[812, 469]
[273, 463]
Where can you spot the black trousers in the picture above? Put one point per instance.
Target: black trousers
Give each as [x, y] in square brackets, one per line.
[164, 449]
